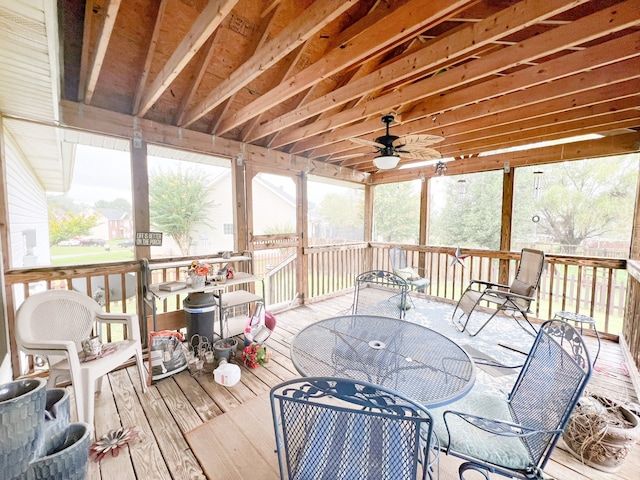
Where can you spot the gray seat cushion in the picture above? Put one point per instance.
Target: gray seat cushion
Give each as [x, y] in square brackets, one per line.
[508, 452]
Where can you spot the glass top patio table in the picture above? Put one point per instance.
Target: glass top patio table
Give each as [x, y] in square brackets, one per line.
[411, 359]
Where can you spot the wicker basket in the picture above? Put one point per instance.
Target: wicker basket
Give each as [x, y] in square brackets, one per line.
[601, 432]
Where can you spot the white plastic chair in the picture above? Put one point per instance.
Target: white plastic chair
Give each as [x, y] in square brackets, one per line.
[54, 323]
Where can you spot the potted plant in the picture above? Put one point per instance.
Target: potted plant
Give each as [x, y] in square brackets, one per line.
[222, 348]
[601, 432]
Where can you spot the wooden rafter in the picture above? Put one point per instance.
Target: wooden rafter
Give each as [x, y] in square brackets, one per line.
[106, 29]
[144, 75]
[208, 21]
[428, 57]
[589, 28]
[309, 23]
[410, 18]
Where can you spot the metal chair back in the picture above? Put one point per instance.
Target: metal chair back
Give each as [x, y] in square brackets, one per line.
[382, 293]
[550, 383]
[345, 429]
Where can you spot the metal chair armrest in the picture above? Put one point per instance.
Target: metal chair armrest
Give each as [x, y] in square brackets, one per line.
[510, 295]
[487, 284]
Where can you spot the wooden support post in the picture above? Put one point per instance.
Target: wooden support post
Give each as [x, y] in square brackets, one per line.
[141, 222]
[505, 229]
[368, 225]
[425, 220]
[303, 235]
[240, 220]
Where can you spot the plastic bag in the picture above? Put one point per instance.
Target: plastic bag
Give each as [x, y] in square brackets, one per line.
[166, 355]
[260, 325]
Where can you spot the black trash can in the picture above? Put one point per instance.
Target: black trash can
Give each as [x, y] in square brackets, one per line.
[200, 312]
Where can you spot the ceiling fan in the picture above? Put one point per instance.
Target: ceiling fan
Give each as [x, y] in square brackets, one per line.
[391, 147]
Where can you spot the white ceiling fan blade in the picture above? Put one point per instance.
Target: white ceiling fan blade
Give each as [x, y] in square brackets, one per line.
[408, 141]
[368, 143]
[419, 153]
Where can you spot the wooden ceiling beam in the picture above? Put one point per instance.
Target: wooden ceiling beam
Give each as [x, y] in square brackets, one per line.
[106, 29]
[144, 75]
[596, 124]
[206, 23]
[472, 124]
[86, 49]
[403, 22]
[200, 69]
[575, 72]
[314, 18]
[602, 147]
[561, 117]
[453, 46]
[105, 122]
[586, 29]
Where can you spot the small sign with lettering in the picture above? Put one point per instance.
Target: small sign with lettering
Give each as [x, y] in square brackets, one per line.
[148, 239]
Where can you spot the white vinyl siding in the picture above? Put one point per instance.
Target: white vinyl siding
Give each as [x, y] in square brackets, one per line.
[27, 206]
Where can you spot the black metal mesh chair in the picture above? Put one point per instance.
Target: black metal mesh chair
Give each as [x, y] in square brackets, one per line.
[344, 429]
[515, 436]
[382, 293]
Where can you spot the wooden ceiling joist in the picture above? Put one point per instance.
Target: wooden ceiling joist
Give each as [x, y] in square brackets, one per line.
[208, 21]
[300, 78]
[411, 17]
[142, 83]
[106, 29]
[431, 54]
[597, 25]
[314, 19]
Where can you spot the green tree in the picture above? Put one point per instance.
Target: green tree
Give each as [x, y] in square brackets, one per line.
[342, 210]
[178, 203]
[67, 225]
[466, 210]
[119, 204]
[588, 199]
[396, 212]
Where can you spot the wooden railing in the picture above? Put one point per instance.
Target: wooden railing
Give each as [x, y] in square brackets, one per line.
[281, 282]
[594, 286]
[591, 286]
[104, 282]
[332, 269]
[632, 323]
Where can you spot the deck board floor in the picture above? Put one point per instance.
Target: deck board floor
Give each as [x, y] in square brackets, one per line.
[181, 403]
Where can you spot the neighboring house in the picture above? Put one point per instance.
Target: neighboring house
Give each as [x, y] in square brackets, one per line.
[273, 207]
[112, 224]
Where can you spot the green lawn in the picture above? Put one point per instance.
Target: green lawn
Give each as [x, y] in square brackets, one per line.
[83, 255]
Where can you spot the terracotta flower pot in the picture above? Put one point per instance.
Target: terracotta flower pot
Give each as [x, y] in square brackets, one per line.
[601, 433]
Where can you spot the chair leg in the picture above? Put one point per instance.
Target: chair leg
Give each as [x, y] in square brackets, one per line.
[472, 466]
[141, 370]
[534, 332]
[85, 393]
[482, 326]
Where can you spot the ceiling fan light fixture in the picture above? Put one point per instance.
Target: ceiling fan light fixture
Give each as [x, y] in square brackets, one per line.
[386, 162]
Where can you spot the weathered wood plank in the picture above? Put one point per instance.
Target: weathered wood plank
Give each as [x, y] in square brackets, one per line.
[145, 454]
[107, 419]
[184, 413]
[200, 400]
